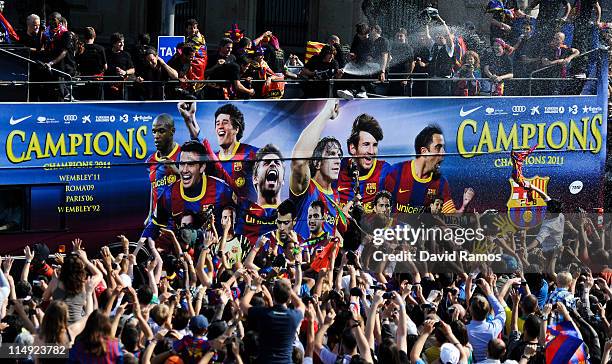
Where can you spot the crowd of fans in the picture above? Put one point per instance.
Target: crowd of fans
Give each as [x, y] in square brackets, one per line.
[184, 300]
[460, 61]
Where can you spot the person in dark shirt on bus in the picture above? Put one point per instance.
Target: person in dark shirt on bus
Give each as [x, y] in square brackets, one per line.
[154, 69]
[91, 60]
[322, 66]
[120, 66]
[402, 62]
[59, 49]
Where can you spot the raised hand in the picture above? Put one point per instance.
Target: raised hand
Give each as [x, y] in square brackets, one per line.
[77, 244]
[7, 264]
[29, 254]
[187, 109]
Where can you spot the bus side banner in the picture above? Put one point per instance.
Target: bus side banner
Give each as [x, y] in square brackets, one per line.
[101, 159]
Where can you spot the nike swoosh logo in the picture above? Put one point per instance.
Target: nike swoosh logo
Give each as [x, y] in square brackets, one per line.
[343, 188]
[17, 121]
[404, 191]
[468, 112]
[254, 209]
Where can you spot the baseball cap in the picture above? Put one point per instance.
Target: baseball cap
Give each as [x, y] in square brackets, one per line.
[198, 323]
[216, 329]
[449, 354]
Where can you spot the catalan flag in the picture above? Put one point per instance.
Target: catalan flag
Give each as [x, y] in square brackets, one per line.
[565, 345]
[312, 48]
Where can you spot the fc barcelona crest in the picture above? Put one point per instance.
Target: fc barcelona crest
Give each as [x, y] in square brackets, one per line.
[240, 182]
[371, 188]
[526, 208]
[237, 166]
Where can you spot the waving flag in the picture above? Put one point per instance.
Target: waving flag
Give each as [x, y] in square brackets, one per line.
[8, 29]
[312, 49]
[565, 345]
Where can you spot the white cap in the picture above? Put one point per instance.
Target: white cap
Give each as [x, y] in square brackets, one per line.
[449, 353]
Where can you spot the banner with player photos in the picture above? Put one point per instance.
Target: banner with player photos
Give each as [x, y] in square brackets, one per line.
[89, 169]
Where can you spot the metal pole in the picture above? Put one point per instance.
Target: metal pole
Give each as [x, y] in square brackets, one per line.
[168, 12]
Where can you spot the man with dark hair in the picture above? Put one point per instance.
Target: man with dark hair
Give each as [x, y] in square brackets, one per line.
[196, 191]
[194, 38]
[284, 236]
[517, 341]
[322, 66]
[182, 63]
[222, 56]
[441, 59]
[162, 171]
[416, 183]
[259, 217]
[234, 156]
[92, 62]
[154, 69]
[225, 66]
[360, 55]
[120, 65]
[318, 238]
[362, 144]
[276, 325]
[380, 50]
[315, 166]
[402, 61]
[59, 54]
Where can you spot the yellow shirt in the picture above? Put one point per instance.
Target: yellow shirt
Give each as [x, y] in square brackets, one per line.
[520, 322]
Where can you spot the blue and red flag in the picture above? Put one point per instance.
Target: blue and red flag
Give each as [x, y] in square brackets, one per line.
[8, 30]
[565, 345]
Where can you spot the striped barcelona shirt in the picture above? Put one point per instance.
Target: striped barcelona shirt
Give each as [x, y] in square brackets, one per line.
[412, 194]
[275, 239]
[212, 191]
[161, 176]
[239, 166]
[253, 220]
[302, 201]
[369, 184]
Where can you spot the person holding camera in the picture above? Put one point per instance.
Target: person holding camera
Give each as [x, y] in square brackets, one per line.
[470, 69]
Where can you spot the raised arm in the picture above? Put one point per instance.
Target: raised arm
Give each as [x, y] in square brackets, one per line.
[305, 145]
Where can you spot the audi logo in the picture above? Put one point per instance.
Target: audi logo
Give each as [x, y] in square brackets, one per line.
[70, 118]
[519, 108]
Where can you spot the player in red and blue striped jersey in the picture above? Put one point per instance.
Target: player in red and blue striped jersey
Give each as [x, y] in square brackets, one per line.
[196, 191]
[415, 184]
[318, 238]
[161, 164]
[315, 166]
[236, 158]
[285, 235]
[363, 141]
[258, 218]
